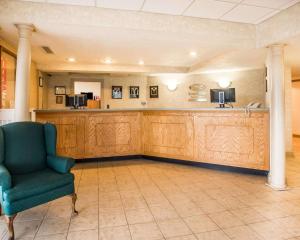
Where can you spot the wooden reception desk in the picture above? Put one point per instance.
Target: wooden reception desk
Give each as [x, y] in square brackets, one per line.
[220, 136]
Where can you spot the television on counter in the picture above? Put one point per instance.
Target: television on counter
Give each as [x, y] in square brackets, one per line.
[222, 96]
[76, 101]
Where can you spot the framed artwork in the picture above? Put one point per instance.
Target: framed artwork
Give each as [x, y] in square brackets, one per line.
[153, 91]
[134, 92]
[59, 99]
[8, 61]
[116, 92]
[60, 90]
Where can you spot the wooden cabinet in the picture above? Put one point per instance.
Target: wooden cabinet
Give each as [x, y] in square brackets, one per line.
[226, 137]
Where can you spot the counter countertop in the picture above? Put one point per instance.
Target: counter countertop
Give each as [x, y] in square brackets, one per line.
[148, 109]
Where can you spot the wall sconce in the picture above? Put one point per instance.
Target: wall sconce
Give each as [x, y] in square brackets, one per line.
[172, 86]
[224, 83]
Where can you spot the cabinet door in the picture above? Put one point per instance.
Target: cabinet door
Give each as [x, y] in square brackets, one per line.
[113, 134]
[168, 135]
[232, 139]
[70, 134]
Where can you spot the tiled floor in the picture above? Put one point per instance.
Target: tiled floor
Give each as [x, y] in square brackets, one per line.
[145, 200]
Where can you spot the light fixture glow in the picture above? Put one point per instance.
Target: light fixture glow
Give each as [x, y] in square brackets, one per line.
[224, 83]
[172, 86]
[71, 59]
[193, 54]
[108, 61]
[141, 62]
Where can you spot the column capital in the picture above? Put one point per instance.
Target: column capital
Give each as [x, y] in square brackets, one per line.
[25, 29]
[277, 48]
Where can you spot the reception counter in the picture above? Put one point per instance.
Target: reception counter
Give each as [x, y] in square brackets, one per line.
[229, 137]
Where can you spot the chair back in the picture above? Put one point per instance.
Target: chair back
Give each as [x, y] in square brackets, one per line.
[23, 147]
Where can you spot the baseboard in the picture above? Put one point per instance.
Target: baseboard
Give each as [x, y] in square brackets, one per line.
[106, 159]
[209, 165]
[177, 161]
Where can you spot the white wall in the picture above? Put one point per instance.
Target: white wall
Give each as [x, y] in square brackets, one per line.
[94, 87]
[296, 107]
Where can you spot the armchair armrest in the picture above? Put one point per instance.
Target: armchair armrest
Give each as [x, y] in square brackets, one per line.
[60, 164]
[5, 178]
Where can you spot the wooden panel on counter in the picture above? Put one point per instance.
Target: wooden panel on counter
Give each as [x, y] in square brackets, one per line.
[168, 134]
[113, 134]
[231, 138]
[70, 132]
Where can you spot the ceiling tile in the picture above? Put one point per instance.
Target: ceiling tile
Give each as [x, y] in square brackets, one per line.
[208, 9]
[74, 2]
[267, 3]
[246, 14]
[174, 7]
[121, 4]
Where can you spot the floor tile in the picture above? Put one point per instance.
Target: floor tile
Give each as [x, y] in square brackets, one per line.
[242, 232]
[140, 215]
[86, 235]
[145, 231]
[201, 223]
[115, 233]
[53, 226]
[173, 228]
[213, 235]
[225, 219]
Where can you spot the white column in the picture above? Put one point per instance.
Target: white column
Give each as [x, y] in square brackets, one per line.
[277, 178]
[23, 73]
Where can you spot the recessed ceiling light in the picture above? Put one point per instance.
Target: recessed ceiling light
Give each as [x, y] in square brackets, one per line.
[193, 54]
[71, 59]
[108, 61]
[141, 62]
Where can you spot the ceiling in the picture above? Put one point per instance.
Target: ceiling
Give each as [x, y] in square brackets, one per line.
[162, 41]
[244, 11]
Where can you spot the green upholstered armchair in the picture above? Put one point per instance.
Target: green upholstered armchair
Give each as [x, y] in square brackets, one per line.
[30, 172]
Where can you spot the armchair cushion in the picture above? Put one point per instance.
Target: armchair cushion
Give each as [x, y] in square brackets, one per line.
[5, 178]
[60, 164]
[25, 150]
[32, 184]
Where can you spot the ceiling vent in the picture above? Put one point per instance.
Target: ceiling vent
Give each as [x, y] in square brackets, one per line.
[47, 50]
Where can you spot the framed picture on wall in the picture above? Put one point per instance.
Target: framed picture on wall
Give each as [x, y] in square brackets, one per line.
[153, 91]
[134, 92]
[60, 90]
[59, 99]
[8, 61]
[116, 92]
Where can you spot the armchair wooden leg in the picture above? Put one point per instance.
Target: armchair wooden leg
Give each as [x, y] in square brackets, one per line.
[74, 198]
[10, 226]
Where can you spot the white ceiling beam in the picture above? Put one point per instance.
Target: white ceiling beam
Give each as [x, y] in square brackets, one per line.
[104, 68]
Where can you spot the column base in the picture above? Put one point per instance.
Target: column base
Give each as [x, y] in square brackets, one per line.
[276, 188]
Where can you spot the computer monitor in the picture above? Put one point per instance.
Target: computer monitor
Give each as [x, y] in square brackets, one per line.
[89, 95]
[70, 100]
[78, 100]
[222, 96]
[81, 100]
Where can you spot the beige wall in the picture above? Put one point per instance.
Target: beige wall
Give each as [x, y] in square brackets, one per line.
[33, 82]
[250, 86]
